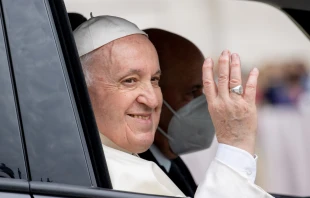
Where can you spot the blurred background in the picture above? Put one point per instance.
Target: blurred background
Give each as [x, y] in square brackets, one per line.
[265, 37]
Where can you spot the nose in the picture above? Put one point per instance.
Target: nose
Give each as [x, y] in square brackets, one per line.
[148, 96]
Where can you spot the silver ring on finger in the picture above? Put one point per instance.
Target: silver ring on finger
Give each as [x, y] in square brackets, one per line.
[237, 90]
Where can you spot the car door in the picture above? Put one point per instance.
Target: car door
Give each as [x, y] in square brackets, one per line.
[49, 141]
[13, 171]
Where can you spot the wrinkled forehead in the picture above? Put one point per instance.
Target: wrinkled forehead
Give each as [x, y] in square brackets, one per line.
[134, 52]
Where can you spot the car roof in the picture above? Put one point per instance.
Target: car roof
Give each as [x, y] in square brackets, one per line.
[295, 4]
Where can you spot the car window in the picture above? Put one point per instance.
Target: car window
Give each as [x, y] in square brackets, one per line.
[265, 37]
[47, 109]
[12, 163]
[13, 195]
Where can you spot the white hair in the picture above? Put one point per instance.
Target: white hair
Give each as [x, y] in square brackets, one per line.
[86, 61]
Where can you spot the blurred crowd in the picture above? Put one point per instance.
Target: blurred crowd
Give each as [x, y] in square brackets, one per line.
[283, 128]
[283, 83]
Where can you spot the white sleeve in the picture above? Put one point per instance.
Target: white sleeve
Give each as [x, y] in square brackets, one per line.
[238, 159]
[227, 176]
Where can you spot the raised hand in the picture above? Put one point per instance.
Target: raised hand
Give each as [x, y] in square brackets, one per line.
[233, 112]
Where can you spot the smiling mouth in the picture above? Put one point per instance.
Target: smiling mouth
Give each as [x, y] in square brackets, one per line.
[140, 116]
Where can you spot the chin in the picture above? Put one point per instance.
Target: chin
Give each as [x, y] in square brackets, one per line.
[143, 142]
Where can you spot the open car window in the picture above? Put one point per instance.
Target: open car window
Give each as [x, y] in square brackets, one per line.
[49, 139]
[265, 37]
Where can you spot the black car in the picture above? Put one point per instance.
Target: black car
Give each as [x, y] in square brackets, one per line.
[49, 141]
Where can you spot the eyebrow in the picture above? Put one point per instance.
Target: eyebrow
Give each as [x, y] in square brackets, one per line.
[158, 72]
[139, 71]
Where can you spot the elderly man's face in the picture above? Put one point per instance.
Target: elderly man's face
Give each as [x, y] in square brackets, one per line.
[125, 94]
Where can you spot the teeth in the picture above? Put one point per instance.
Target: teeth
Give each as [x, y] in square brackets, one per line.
[140, 117]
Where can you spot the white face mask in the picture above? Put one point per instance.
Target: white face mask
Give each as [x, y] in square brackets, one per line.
[191, 128]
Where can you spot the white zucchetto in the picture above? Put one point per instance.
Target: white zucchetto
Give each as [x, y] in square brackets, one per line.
[100, 30]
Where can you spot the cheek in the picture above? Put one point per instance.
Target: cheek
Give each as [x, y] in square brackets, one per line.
[103, 99]
[165, 118]
[175, 98]
[182, 103]
[95, 97]
[160, 105]
[159, 96]
[124, 101]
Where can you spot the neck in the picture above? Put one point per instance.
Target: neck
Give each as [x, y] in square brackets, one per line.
[107, 142]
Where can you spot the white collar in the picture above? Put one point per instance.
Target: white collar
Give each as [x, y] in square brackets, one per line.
[162, 160]
[107, 142]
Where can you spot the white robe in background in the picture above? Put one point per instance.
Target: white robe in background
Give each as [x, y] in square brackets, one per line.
[130, 173]
[283, 148]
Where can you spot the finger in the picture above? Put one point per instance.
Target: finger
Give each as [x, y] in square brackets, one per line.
[209, 86]
[223, 74]
[250, 88]
[235, 74]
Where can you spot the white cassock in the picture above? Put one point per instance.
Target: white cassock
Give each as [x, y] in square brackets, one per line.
[130, 173]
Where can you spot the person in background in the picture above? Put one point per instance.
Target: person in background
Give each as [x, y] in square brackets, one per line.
[185, 124]
[283, 129]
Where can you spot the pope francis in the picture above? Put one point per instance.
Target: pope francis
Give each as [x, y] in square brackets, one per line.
[122, 73]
